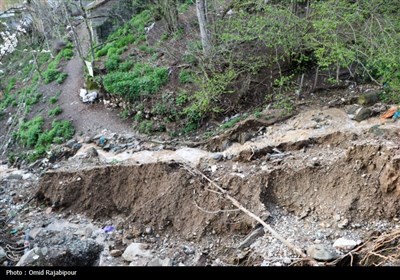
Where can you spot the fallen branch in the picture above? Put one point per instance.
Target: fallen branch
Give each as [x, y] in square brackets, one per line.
[236, 203]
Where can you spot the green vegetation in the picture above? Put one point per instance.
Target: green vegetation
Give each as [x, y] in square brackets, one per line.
[31, 135]
[56, 111]
[54, 99]
[231, 122]
[142, 80]
[53, 73]
[185, 77]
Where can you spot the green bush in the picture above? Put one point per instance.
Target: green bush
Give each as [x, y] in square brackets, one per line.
[143, 79]
[53, 99]
[31, 135]
[29, 132]
[10, 85]
[52, 73]
[185, 77]
[34, 99]
[55, 112]
[126, 66]
[146, 127]
[113, 62]
[61, 78]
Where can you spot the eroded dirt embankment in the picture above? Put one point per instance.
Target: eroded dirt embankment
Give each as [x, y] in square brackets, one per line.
[345, 169]
[163, 195]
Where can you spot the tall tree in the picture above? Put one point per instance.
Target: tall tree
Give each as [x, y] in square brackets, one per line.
[201, 10]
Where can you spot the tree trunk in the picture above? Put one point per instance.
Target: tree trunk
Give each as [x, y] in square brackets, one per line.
[91, 45]
[169, 10]
[202, 17]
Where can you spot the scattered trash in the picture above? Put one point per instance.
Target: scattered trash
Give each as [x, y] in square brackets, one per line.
[87, 97]
[26, 242]
[102, 141]
[396, 115]
[389, 113]
[108, 229]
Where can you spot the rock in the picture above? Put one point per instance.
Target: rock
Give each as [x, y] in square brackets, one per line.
[92, 153]
[76, 147]
[14, 176]
[369, 98]
[362, 114]
[107, 147]
[116, 253]
[2, 255]
[72, 252]
[28, 258]
[217, 156]
[58, 46]
[321, 253]
[214, 168]
[160, 262]
[343, 224]
[376, 130]
[287, 261]
[134, 250]
[188, 250]
[344, 244]
[70, 143]
[60, 225]
[34, 232]
[148, 230]
[251, 238]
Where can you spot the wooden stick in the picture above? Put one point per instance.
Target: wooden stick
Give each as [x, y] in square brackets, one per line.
[236, 203]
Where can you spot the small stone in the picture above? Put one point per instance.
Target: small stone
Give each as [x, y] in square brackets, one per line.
[344, 244]
[287, 261]
[217, 156]
[321, 253]
[148, 230]
[188, 250]
[2, 255]
[116, 253]
[214, 168]
[48, 210]
[34, 232]
[343, 224]
[336, 217]
[134, 250]
[76, 147]
[70, 143]
[14, 176]
[44, 251]
[362, 114]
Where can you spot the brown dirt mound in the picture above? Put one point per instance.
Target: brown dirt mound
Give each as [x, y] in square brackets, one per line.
[361, 184]
[162, 195]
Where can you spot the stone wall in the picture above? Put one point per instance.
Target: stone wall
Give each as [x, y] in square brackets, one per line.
[107, 16]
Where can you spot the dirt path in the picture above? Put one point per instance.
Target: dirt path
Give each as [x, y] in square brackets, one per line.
[88, 119]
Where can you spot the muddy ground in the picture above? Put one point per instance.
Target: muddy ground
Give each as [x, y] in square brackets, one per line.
[315, 177]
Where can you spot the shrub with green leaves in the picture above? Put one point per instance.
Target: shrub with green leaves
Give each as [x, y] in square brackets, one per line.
[31, 135]
[29, 132]
[185, 77]
[56, 111]
[142, 80]
[53, 73]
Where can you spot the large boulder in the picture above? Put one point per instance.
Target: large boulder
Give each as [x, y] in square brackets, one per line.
[58, 46]
[61, 249]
